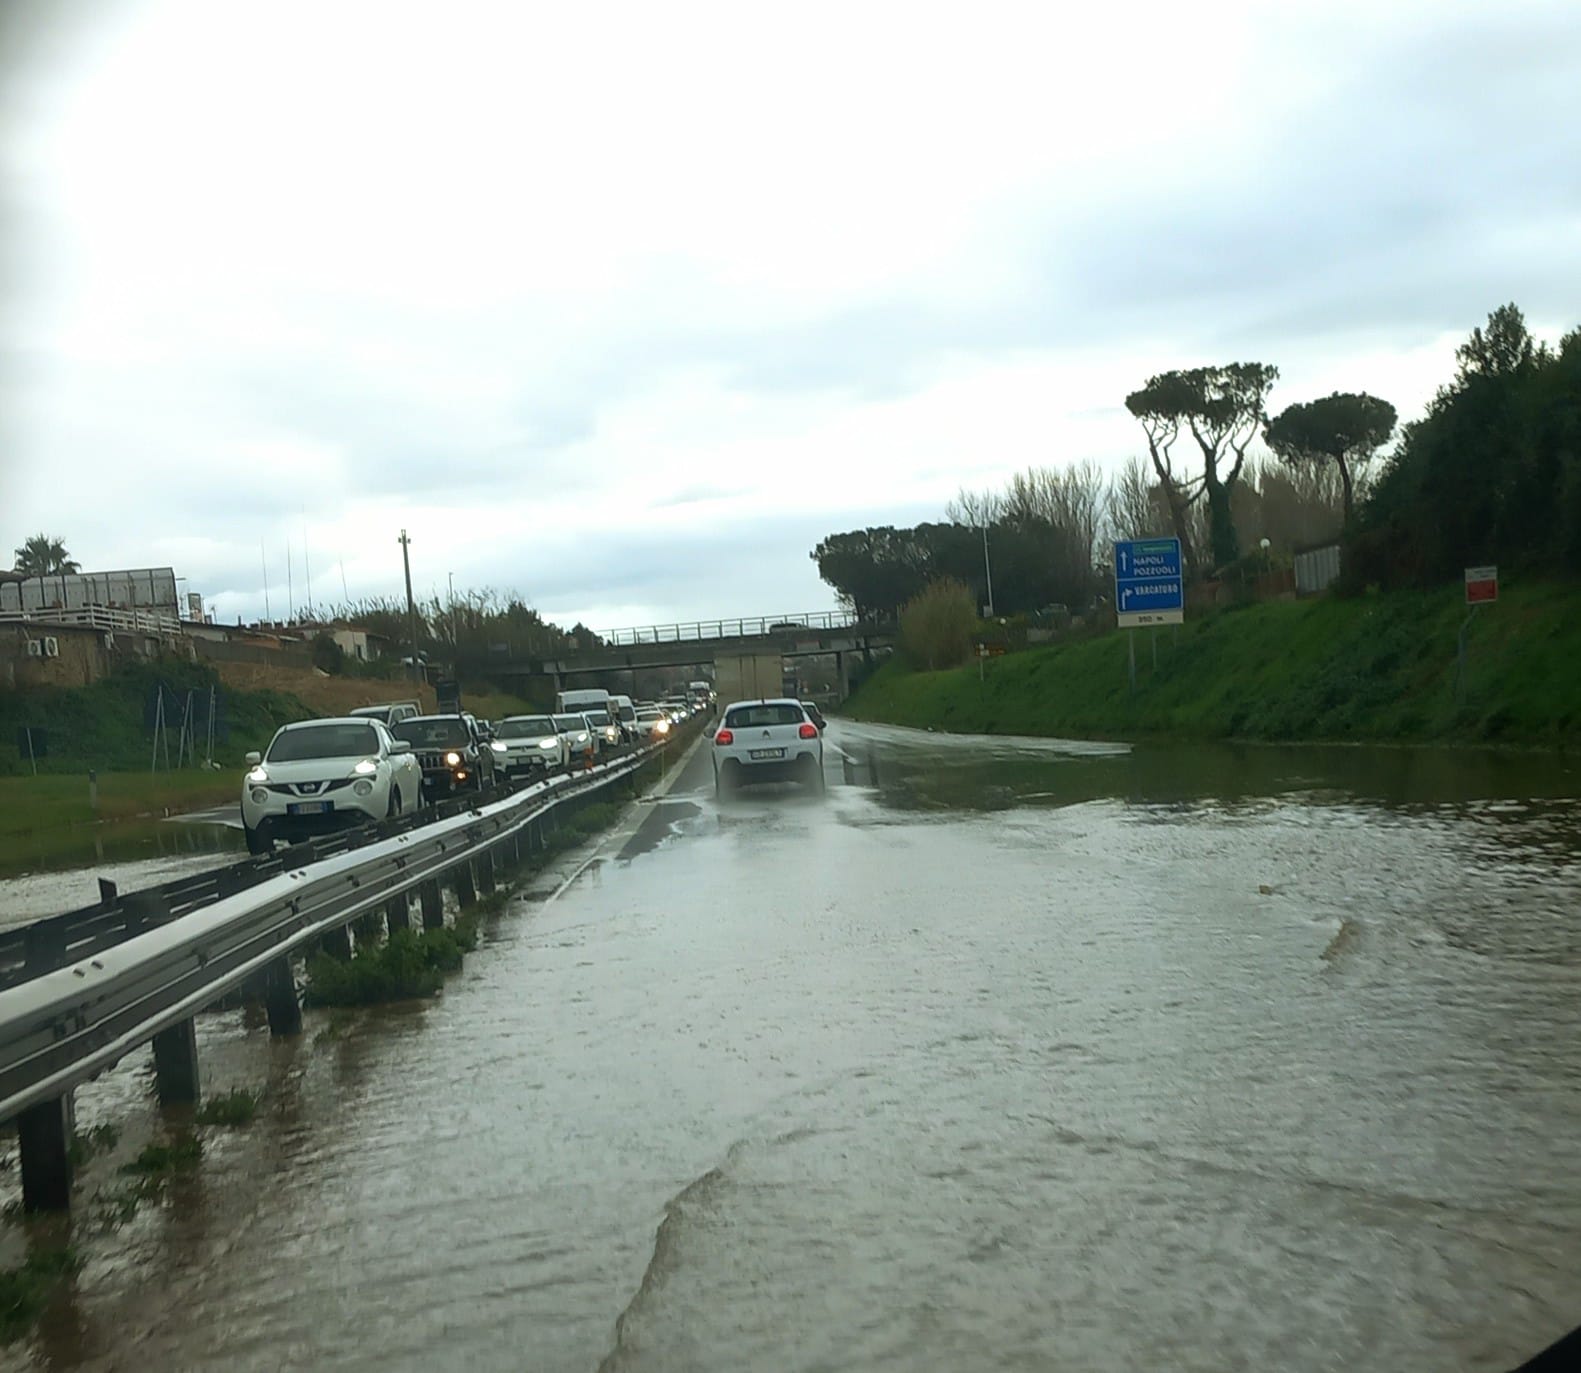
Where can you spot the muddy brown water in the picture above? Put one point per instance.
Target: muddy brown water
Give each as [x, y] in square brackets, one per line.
[1003, 1054]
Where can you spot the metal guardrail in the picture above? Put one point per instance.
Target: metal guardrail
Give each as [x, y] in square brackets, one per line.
[116, 983]
[108, 618]
[28, 951]
[750, 627]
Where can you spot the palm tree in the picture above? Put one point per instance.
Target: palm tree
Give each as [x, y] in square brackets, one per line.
[43, 556]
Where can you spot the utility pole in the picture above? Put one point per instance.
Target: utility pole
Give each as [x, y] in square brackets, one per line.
[411, 605]
[988, 572]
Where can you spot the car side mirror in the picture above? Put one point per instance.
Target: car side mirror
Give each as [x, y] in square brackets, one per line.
[400, 746]
[254, 758]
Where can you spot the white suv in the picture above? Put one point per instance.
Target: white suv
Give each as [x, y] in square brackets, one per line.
[326, 774]
[766, 741]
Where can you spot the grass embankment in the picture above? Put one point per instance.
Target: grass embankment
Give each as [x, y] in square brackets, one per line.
[1379, 668]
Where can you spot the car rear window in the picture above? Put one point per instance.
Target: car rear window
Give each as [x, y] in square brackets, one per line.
[433, 733]
[745, 717]
[526, 729]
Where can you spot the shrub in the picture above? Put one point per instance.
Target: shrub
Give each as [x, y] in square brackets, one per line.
[937, 624]
[236, 1107]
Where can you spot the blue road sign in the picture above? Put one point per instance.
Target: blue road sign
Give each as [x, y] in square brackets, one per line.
[1148, 587]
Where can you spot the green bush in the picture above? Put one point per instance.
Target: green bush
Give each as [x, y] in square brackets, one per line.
[181, 1155]
[937, 625]
[237, 1107]
[26, 1290]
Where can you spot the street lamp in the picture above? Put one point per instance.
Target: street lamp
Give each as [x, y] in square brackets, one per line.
[988, 572]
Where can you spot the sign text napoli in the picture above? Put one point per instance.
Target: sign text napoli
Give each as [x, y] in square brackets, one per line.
[1148, 586]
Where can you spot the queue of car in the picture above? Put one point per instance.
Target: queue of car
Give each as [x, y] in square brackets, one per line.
[318, 776]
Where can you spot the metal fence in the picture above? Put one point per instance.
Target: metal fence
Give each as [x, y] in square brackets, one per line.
[110, 619]
[746, 628]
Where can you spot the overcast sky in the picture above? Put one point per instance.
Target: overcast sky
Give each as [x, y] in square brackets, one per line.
[624, 306]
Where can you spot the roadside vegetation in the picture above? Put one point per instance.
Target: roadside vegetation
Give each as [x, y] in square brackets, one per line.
[1379, 667]
[26, 1289]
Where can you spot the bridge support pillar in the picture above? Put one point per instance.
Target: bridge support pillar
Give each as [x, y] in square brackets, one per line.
[43, 1134]
[483, 866]
[842, 673]
[398, 913]
[461, 880]
[336, 942]
[280, 999]
[176, 1075]
[433, 902]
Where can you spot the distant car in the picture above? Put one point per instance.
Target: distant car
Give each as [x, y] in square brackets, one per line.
[766, 741]
[815, 715]
[678, 710]
[652, 724]
[454, 755]
[391, 713]
[533, 745]
[323, 775]
[605, 728]
[581, 746]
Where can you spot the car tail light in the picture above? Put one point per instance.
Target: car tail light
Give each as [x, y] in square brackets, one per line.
[724, 737]
[808, 731]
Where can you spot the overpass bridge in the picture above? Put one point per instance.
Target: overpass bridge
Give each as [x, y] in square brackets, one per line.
[746, 654]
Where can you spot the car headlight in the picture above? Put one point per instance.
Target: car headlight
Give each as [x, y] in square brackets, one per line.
[260, 796]
[661, 727]
[499, 748]
[366, 768]
[548, 743]
[363, 788]
[257, 775]
[453, 759]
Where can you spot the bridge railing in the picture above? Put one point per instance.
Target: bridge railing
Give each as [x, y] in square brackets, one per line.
[742, 628]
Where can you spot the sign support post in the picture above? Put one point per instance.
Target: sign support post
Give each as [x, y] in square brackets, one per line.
[1482, 588]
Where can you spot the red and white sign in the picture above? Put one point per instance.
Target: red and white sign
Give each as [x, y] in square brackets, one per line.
[1482, 585]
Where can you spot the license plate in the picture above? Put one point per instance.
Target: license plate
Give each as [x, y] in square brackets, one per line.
[767, 753]
[308, 807]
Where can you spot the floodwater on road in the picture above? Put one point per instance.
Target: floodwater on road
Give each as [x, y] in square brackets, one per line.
[1002, 1054]
[60, 877]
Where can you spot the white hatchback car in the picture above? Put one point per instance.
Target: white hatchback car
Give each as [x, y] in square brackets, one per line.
[532, 746]
[580, 742]
[324, 775]
[766, 741]
[653, 725]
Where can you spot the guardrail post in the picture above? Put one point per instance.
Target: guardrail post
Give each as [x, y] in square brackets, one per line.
[176, 1064]
[280, 998]
[398, 913]
[461, 880]
[44, 947]
[43, 1133]
[143, 910]
[433, 903]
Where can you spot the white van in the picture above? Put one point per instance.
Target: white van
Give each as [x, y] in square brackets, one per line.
[576, 702]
